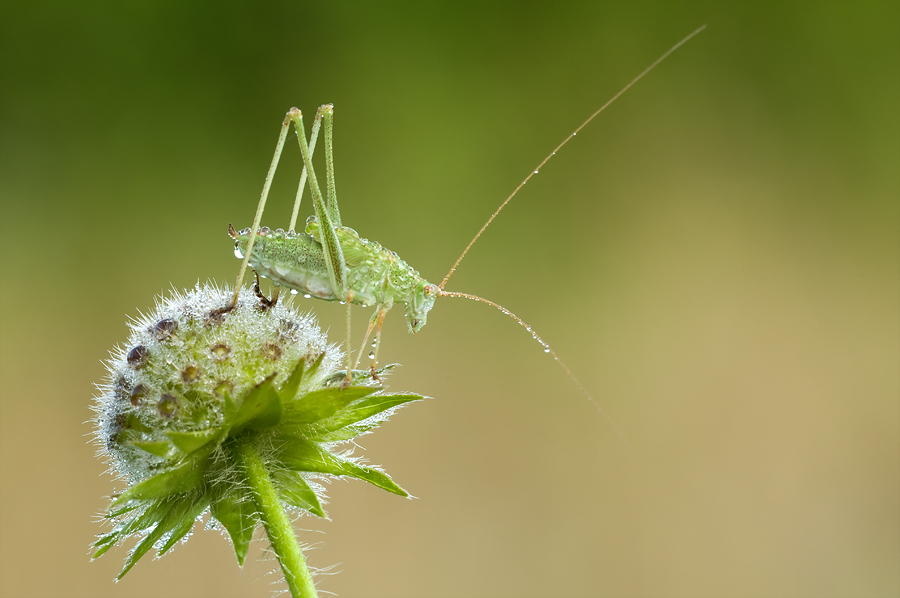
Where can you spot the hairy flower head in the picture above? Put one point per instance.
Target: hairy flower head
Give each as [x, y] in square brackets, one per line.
[194, 384]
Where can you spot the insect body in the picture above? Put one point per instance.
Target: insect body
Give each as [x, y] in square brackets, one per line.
[375, 275]
[331, 262]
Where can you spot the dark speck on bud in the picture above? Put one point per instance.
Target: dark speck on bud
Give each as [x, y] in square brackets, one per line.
[137, 357]
[222, 388]
[190, 374]
[167, 405]
[220, 351]
[271, 351]
[164, 329]
[138, 393]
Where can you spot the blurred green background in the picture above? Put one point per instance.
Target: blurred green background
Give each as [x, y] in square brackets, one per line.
[716, 257]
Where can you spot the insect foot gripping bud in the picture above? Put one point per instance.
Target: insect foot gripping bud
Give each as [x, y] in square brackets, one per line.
[240, 414]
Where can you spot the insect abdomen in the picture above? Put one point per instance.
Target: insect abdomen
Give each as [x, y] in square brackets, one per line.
[293, 260]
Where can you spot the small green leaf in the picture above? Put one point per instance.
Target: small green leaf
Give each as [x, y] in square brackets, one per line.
[141, 549]
[295, 491]
[261, 408]
[186, 517]
[188, 442]
[160, 449]
[178, 514]
[179, 479]
[236, 511]
[324, 403]
[120, 512]
[288, 390]
[338, 427]
[303, 455]
[104, 548]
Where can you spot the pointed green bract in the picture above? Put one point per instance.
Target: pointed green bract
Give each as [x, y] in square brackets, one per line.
[236, 511]
[178, 514]
[288, 390]
[180, 479]
[324, 403]
[188, 442]
[260, 409]
[297, 493]
[183, 525]
[160, 449]
[304, 455]
[340, 426]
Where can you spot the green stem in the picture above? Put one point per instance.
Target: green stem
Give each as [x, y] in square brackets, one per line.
[276, 522]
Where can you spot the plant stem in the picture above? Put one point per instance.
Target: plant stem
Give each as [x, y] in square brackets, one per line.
[276, 523]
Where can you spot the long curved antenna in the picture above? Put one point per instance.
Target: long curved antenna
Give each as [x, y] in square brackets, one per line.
[553, 354]
[558, 147]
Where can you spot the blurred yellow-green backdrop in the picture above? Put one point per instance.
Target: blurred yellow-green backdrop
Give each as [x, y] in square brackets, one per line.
[717, 257]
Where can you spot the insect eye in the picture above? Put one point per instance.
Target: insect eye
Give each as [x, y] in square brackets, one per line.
[430, 289]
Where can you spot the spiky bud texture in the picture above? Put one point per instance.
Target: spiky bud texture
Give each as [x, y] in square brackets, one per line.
[194, 386]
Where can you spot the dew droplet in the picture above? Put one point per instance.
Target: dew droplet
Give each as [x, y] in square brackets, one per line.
[137, 394]
[271, 351]
[190, 374]
[164, 329]
[220, 351]
[371, 354]
[137, 357]
[306, 295]
[536, 171]
[374, 344]
[343, 303]
[237, 250]
[223, 387]
[546, 349]
[167, 405]
[294, 291]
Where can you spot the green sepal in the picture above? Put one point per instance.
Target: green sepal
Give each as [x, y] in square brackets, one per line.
[260, 408]
[178, 479]
[176, 513]
[143, 517]
[160, 449]
[340, 426]
[291, 386]
[322, 404]
[302, 455]
[296, 492]
[188, 442]
[119, 512]
[99, 552]
[235, 510]
[184, 524]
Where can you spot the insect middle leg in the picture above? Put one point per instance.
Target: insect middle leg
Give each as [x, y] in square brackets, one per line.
[264, 301]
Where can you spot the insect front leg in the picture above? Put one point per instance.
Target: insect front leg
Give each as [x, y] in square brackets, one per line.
[382, 312]
[369, 330]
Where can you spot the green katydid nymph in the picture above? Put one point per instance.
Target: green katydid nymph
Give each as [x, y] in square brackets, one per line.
[330, 261]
